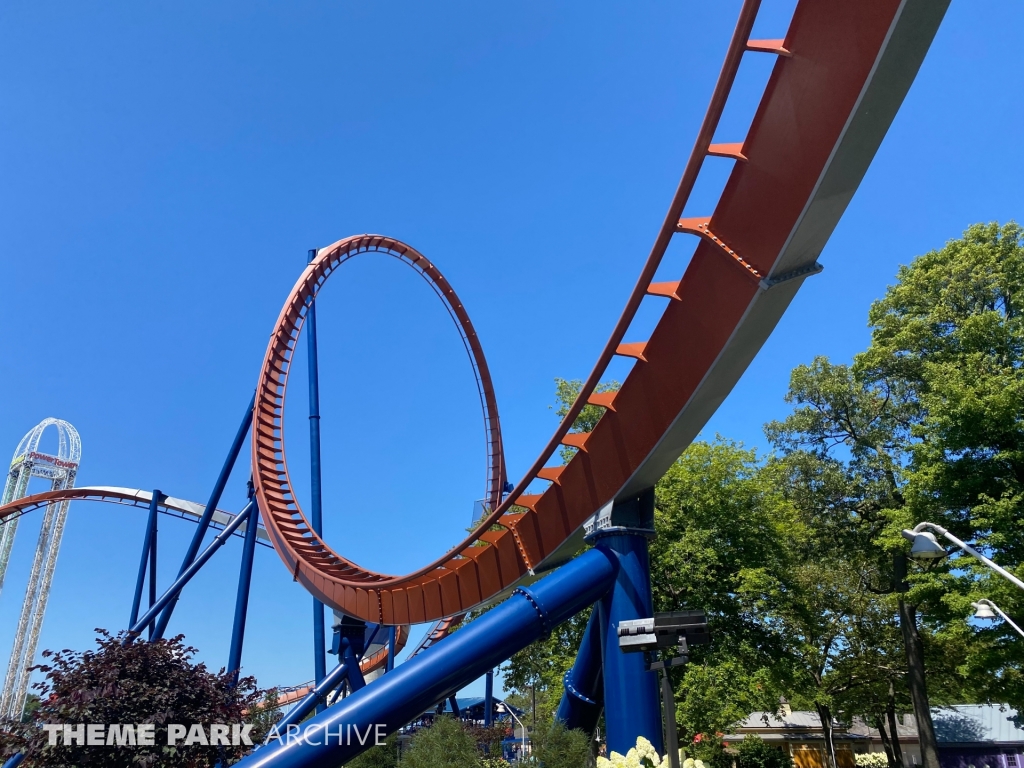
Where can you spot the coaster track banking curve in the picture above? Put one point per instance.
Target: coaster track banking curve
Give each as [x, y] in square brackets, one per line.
[186, 510]
[841, 74]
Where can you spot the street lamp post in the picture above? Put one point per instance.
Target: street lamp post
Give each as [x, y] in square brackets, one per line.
[986, 609]
[503, 707]
[927, 547]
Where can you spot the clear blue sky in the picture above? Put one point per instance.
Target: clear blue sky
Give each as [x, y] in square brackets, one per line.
[165, 166]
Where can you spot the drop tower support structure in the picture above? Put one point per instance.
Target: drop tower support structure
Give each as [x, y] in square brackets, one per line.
[60, 470]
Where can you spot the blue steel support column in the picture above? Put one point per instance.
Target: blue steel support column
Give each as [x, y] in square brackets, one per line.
[489, 699]
[316, 508]
[355, 674]
[631, 696]
[583, 697]
[152, 559]
[147, 544]
[392, 639]
[175, 589]
[244, 580]
[211, 506]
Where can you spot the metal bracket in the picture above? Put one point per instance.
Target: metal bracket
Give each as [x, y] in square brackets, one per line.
[599, 520]
[811, 269]
[657, 666]
[634, 514]
[701, 227]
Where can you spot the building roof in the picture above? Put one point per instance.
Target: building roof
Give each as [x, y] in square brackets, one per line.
[976, 723]
[957, 724]
[906, 728]
[786, 721]
[789, 725]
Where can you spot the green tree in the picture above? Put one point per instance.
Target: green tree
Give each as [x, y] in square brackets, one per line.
[379, 756]
[32, 702]
[948, 341]
[841, 455]
[754, 752]
[721, 546]
[846, 453]
[558, 747]
[445, 744]
[950, 333]
[926, 425]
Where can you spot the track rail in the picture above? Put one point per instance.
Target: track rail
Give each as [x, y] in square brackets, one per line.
[132, 497]
[840, 76]
[368, 664]
[438, 632]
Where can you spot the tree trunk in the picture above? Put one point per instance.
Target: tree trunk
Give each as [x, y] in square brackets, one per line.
[879, 723]
[916, 684]
[825, 715]
[890, 713]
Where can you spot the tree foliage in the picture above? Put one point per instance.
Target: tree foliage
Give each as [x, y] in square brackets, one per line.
[556, 746]
[948, 338]
[139, 682]
[754, 752]
[720, 527]
[445, 744]
[378, 756]
[791, 555]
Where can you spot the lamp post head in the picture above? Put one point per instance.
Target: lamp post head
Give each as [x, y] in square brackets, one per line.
[982, 610]
[924, 545]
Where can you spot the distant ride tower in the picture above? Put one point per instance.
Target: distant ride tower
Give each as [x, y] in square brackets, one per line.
[60, 470]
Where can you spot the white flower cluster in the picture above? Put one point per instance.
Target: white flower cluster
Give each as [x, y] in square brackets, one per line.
[644, 755]
[871, 760]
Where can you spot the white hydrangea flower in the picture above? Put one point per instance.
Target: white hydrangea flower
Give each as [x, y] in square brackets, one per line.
[644, 755]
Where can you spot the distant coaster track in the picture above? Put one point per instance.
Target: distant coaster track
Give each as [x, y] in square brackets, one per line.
[131, 497]
[185, 510]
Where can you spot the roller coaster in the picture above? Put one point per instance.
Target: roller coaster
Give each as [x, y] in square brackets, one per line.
[840, 74]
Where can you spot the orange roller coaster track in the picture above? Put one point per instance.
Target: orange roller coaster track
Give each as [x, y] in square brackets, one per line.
[840, 75]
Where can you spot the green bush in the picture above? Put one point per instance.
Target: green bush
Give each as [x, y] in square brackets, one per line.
[559, 747]
[156, 682]
[711, 752]
[445, 744]
[872, 760]
[383, 756]
[754, 752]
